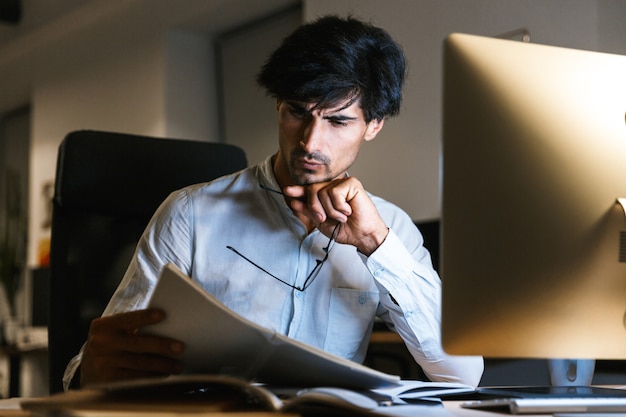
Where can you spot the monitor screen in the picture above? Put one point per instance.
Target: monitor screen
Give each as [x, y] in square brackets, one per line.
[534, 160]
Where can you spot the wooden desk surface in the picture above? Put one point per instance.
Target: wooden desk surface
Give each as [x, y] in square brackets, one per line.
[382, 336]
[10, 408]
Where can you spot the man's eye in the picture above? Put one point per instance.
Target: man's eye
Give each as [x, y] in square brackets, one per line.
[298, 112]
[338, 122]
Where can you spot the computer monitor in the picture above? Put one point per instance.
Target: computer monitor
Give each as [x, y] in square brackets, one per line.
[533, 256]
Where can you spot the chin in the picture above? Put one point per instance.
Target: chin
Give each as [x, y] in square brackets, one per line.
[304, 181]
[302, 177]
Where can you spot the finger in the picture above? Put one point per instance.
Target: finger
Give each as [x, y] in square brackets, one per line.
[153, 344]
[115, 368]
[105, 343]
[314, 204]
[331, 228]
[305, 201]
[335, 205]
[295, 191]
[304, 209]
[129, 321]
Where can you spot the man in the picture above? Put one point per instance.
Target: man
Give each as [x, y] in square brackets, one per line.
[293, 243]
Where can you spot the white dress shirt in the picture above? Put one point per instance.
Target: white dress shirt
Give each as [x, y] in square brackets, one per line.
[397, 283]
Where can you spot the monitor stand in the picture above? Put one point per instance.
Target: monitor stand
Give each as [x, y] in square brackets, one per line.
[579, 372]
[571, 372]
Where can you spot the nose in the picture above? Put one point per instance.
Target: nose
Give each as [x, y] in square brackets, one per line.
[313, 135]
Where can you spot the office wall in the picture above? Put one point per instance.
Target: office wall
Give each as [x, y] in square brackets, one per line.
[248, 114]
[402, 164]
[191, 104]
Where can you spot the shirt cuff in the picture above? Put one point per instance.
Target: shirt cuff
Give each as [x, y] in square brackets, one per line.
[70, 379]
[400, 273]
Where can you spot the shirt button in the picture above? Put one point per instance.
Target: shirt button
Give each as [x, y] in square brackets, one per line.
[298, 294]
[378, 272]
[362, 299]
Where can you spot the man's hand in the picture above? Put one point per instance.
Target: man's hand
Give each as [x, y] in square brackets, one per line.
[344, 201]
[116, 350]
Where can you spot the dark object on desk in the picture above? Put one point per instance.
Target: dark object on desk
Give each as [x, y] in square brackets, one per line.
[534, 391]
[108, 185]
[548, 391]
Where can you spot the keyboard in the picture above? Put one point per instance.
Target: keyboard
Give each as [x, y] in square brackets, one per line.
[549, 400]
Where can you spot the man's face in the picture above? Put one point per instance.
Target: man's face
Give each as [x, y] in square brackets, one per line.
[317, 145]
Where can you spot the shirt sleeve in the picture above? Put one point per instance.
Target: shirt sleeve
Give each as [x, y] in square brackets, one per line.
[411, 299]
[166, 239]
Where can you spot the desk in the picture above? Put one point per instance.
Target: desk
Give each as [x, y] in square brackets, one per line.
[90, 403]
[10, 408]
[454, 407]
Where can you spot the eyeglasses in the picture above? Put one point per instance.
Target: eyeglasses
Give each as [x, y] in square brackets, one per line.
[313, 274]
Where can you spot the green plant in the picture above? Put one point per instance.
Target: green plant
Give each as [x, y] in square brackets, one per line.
[12, 236]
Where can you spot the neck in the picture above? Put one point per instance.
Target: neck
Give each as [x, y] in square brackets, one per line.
[281, 172]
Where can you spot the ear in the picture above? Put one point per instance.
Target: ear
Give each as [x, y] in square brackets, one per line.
[278, 101]
[372, 129]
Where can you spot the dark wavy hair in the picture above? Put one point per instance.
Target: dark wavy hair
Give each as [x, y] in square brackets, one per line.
[332, 60]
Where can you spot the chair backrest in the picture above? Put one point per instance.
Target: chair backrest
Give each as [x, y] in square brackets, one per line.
[430, 230]
[107, 187]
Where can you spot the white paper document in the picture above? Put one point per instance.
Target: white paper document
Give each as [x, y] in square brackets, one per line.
[219, 341]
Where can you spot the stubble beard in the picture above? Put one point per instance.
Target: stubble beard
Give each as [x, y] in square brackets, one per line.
[301, 176]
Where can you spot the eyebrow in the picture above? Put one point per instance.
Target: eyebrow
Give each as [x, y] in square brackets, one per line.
[336, 117]
[339, 118]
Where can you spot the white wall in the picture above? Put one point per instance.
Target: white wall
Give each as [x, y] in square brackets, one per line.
[402, 163]
[249, 115]
[190, 87]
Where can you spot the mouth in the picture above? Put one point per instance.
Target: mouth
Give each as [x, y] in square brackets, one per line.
[309, 164]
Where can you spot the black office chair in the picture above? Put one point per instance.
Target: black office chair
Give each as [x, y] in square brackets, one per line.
[107, 187]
